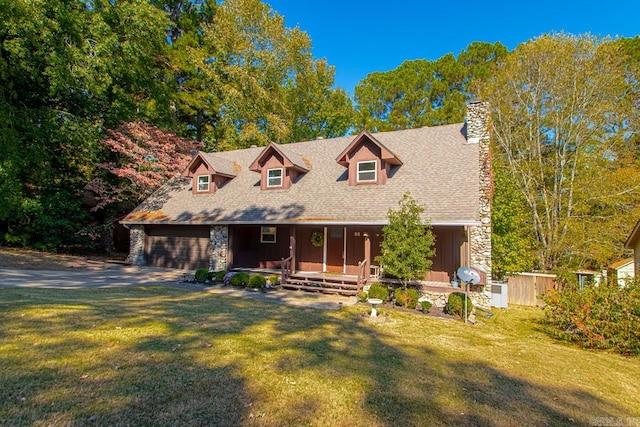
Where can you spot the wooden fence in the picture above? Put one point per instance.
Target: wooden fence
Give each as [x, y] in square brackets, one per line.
[528, 288]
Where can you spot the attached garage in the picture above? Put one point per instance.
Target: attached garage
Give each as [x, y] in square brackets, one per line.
[182, 247]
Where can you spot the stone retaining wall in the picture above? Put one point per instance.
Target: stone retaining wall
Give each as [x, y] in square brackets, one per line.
[439, 298]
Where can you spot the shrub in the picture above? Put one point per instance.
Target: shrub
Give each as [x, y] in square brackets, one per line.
[220, 275]
[602, 317]
[273, 279]
[257, 281]
[406, 297]
[240, 279]
[455, 305]
[378, 290]
[362, 296]
[426, 305]
[201, 274]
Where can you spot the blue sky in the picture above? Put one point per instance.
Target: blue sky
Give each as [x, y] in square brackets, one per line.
[359, 37]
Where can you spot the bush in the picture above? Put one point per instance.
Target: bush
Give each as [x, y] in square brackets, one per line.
[257, 281]
[455, 305]
[426, 305]
[201, 274]
[362, 296]
[601, 317]
[273, 279]
[378, 290]
[406, 297]
[240, 279]
[220, 275]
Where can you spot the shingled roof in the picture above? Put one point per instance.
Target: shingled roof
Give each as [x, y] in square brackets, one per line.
[439, 168]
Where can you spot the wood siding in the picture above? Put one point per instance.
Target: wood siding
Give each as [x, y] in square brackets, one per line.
[308, 257]
[450, 250]
[182, 247]
[248, 252]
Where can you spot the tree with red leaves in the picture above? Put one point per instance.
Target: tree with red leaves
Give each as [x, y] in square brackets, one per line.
[141, 159]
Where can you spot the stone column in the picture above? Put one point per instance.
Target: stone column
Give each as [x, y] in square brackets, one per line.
[136, 245]
[479, 132]
[218, 247]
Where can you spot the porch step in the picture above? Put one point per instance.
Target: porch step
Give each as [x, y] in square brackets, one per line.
[329, 285]
[318, 287]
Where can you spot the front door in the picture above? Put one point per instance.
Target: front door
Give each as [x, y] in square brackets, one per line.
[335, 249]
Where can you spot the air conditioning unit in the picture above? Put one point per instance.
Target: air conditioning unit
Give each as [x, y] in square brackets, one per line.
[499, 295]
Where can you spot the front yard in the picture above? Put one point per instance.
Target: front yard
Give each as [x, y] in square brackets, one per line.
[160, 356]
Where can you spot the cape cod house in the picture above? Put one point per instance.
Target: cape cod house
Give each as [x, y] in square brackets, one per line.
[323, 203]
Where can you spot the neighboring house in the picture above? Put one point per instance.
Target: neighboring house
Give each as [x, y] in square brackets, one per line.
[633, 243]
[621, 271]
[324, 202]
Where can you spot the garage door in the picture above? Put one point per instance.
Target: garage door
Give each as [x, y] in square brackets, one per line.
[183, 247]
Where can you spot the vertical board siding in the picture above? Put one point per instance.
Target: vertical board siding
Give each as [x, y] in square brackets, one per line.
[528, 288]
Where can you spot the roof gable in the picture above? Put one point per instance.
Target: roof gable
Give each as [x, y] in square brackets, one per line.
[385, 154]
[215, 165]
[290, 158]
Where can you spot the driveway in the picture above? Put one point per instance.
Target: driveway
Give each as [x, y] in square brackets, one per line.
[121, 275]
[114, 276]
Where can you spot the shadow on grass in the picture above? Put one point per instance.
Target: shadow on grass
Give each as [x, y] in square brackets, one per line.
[152, 356]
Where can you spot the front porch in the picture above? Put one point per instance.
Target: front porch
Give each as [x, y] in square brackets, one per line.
[322, 251]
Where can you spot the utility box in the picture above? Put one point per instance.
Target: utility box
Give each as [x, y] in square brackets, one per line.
[499, 295]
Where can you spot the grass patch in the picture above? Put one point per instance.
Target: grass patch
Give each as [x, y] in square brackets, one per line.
[159, 356]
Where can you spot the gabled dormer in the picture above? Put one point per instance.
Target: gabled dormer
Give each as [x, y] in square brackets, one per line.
[279, 167]
[209, 173]
[368, 160]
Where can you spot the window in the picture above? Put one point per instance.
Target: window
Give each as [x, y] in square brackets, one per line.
[267, 234]
[203, 183]
[368, 171]
[274, 178]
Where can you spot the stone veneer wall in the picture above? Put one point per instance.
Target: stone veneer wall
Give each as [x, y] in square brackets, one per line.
[479, 131]
[218, 247]
[136, 246]
[439, 299]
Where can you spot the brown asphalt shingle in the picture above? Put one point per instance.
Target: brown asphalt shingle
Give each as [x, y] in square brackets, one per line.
[440, 170]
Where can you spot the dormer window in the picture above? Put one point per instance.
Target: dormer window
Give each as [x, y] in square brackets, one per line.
[274, 177]
[368, 171]
[209, 173]
[204, 182]
[367, 160]
[279, 167]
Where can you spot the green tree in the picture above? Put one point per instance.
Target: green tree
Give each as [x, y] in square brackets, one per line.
[264, 83]
[564, 117]
[424, 93]
[67, 71]
[513, 248]
[408, 246]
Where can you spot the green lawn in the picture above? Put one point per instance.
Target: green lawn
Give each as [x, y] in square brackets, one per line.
[160, 356]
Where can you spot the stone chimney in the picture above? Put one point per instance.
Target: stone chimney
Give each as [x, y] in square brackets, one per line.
[478, 127]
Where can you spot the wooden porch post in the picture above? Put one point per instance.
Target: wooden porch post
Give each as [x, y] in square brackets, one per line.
[367, 257]
[292, 252]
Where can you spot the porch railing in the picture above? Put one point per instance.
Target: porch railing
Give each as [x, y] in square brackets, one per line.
[285, 270]
[362, 276]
